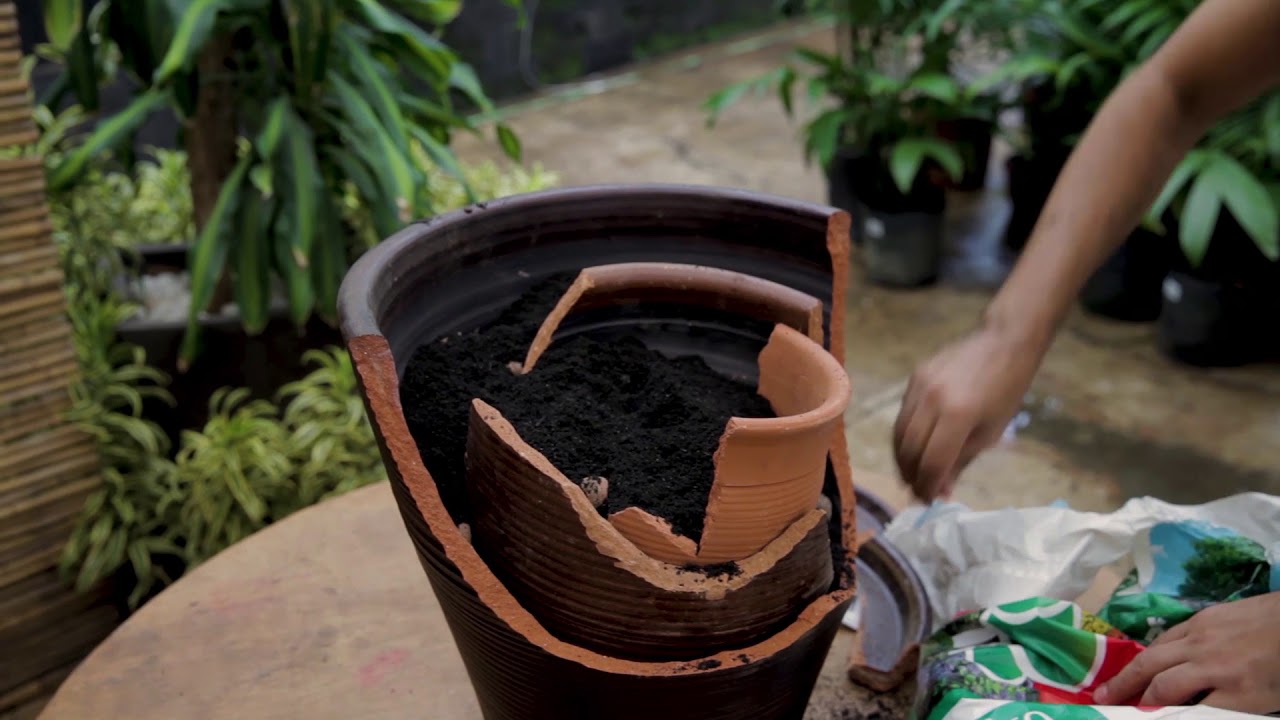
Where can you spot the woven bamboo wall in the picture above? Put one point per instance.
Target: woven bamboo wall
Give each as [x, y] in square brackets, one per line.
[47, 467]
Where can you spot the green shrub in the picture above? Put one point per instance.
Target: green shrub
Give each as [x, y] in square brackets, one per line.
[255, 461]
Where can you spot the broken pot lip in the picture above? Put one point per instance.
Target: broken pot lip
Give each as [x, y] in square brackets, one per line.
[365, 303]
[614, 544]
[710, 285]
[832, 407]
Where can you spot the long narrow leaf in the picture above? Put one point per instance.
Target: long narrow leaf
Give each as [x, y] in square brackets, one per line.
[1248, 201]
[302, 178]
[62, 21]
[1199, 218]
[367, 77]
[311, 28]
[1189, 166]
[433, 53]
[110, 134]
[253, 261]
[195, 26]
[371, 139]
[209, 256]
[443, 156]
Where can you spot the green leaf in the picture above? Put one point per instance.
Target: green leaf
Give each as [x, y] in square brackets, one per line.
[437, 58]
[937, 86]
[116, 130]
[1248, 201]
[786, 89]
[509, 141]
[1190, 165]
[443, 156]
[822, 137]
[1198, 220]
[433, 12]
[380, 205]
[82, 72]
[62, 22]
[463, 78]
[1271, 126]
[827, 61]
[367, 79]
[330, 262]
[908, 156]
[300, 178]
[195, 26]
[253, 262]
[371, 139]
[1016, 70]
[1067, 72]
[723, 99]
[208, 257]
[311, 27]
[940, 16]
[268, 140]
[1123, 13]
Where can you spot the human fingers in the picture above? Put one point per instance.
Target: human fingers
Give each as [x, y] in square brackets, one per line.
[1173, 634]
[939, 460]
[1130, 682]
[915, 439]
[1176, 686]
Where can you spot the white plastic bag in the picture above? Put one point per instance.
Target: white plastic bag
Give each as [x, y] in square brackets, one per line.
[968, 560]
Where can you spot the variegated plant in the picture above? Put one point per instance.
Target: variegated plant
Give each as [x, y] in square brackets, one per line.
[287, 107]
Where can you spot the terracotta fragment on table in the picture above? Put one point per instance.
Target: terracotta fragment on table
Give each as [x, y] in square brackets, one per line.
[589, 584]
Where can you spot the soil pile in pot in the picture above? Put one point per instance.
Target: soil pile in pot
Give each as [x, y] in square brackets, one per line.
[614, 409]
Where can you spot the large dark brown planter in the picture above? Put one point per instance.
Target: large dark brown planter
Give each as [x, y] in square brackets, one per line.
[457, 271]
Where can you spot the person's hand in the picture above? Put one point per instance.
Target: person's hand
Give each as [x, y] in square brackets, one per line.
[1228, 654]
[957, 404]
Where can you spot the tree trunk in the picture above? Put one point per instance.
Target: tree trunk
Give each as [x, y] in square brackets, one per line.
[211, 138]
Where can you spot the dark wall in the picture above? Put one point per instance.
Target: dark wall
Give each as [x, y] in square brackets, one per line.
[568, 39]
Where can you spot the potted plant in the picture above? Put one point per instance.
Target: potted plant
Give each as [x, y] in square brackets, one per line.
[884, 158]
[448, 293]
[289, 114]
[1224, 198]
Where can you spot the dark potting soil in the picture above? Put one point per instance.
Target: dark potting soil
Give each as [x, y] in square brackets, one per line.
[613, 409]
[709, 664]
[724, 569]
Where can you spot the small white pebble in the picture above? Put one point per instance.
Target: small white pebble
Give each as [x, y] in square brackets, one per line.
[824, 504]
[596, 489]
[516, 368]
[465, 529]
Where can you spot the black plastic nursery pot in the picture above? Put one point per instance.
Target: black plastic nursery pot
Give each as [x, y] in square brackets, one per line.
[901, 235]
[972, 138]
[1128, 285]
[229, 357]
[1222, 313]
[1031, 179]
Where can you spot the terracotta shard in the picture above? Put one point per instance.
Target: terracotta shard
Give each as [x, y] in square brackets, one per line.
[654, 537]
[590, 585]
[605, 285]
[770, 471]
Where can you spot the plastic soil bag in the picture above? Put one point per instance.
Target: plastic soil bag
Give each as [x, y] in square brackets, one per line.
[1040, 658]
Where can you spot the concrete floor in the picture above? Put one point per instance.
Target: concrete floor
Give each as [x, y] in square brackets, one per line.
[1109, 417]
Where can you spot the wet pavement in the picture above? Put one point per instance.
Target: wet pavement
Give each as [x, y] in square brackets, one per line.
[1107, 418]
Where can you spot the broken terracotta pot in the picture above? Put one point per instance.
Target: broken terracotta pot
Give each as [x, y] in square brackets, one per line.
[590, 585]
[456, 272]
[768, 471]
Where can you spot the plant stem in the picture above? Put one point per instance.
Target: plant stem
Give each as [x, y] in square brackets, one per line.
[211, 138]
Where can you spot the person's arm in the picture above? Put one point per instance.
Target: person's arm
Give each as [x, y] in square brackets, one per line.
[957, 404]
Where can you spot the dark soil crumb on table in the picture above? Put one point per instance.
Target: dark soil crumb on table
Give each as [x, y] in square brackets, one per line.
[708, 664]
[614, 409]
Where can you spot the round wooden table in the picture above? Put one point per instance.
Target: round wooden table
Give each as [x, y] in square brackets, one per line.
[326, 614]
